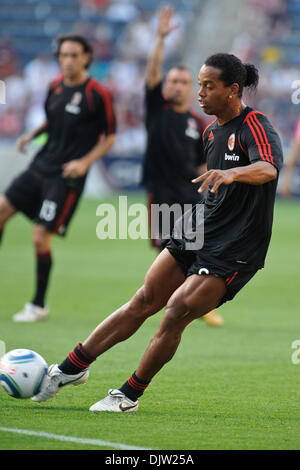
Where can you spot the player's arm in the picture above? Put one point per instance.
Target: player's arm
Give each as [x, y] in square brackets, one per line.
[154, 74]
[256, 173]
[78, 168]
[24, 139]
[287, 176]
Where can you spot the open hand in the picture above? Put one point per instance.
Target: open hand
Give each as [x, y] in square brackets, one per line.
[214, 178]
[164, 21]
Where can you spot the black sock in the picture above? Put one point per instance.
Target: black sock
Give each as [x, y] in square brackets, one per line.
[76, 361]
[1, 234]
[134, 387]
[43, 268]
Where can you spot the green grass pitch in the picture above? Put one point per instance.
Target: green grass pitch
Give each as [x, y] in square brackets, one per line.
[233, 387]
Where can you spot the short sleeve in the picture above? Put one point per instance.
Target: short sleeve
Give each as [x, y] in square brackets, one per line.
[260, 141]
[101, 106]
[104, 110]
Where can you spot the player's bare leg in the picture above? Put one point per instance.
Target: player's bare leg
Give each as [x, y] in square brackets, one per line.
[36, 309]
[194, 298]
[161, 280]
[7, 210]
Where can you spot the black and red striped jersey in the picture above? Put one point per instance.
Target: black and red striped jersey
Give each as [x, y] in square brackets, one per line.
[77, 117]
[238, 219]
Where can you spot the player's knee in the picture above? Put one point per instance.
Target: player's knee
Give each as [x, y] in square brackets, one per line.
[142, 302]
[6, 210]
[41, 239]
[177, 311]
[180, 311]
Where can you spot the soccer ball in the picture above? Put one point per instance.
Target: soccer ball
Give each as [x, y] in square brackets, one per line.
[22, 372]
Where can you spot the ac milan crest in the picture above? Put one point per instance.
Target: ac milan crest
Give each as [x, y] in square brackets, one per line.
[231, 142]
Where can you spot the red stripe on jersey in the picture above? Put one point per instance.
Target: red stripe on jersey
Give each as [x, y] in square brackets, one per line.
[256, 140]
[265, 137]
[56, 81]
[253, 113]
[207, 128]
[71, 198]
[108, 105]
[230, 280]
[261, 138]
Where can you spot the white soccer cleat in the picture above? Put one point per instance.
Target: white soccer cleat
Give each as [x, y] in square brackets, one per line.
[56, 379]
[31, 313]
[115, 401]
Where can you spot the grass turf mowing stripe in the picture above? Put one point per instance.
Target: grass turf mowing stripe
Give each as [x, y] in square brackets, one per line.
[78, 440]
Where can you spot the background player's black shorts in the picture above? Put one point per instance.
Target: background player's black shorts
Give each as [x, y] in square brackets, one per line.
[49, 201]
[194, 262]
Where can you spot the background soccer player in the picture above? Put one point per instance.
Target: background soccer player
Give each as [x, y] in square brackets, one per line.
[174, 154]
[244, 157]
[78, 111]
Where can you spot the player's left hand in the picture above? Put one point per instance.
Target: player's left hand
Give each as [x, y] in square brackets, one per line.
[214, 178]
[75, 169]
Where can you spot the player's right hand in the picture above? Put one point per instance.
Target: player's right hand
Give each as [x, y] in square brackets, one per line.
[22, 141]
[164, 21]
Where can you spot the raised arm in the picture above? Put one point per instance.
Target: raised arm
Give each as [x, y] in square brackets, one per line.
[154, 72]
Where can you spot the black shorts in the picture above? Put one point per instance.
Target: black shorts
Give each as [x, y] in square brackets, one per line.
[49, 201]
[191, 262]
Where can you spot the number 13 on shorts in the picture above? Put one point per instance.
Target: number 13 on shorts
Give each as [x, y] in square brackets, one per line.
[48, 210]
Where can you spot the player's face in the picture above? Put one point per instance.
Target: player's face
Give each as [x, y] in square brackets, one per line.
[72, 58]
[178, 87]
[213, 94]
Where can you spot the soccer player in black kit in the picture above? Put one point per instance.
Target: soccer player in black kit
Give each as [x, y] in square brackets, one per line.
[80, 123]
[174, 154]
[244, 157]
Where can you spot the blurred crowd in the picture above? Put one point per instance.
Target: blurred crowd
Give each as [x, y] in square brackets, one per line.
[122, 39]
[278, 68]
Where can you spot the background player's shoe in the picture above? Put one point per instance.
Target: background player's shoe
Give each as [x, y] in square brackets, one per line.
[55, 379]
[115, 401]
[31, 313]
[213, 319]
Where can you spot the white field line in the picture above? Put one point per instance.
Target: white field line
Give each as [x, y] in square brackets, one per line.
[77, 440]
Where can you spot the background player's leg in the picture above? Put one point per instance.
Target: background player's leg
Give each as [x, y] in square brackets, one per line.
[6, 212]
[36, 309]
[42, 241]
